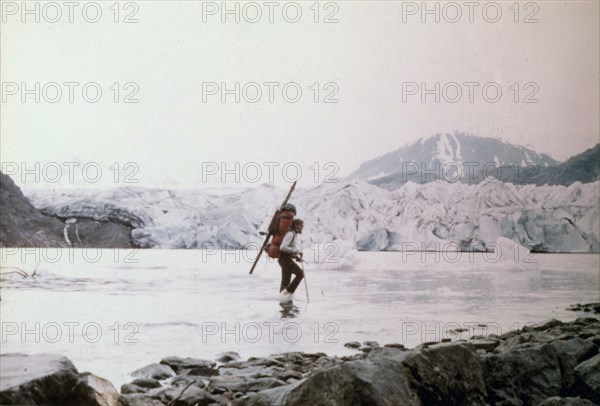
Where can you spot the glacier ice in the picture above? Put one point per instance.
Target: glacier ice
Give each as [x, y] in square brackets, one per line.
[432, 216]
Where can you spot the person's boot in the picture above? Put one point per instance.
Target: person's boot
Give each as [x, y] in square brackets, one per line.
[285, 295]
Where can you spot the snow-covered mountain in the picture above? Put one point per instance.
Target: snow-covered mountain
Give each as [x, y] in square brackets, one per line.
[434, 216]
[446, 157]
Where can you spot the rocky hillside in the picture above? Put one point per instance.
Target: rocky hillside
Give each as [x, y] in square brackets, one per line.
[21, 224]
[584, 167]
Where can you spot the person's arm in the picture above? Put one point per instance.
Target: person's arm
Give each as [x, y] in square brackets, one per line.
[286, 245]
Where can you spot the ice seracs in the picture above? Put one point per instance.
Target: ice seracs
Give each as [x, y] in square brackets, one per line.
[431, 216]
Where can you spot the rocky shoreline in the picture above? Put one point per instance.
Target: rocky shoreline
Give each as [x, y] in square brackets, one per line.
[551, 363]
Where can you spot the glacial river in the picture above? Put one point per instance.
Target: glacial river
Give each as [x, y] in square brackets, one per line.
[112, 311]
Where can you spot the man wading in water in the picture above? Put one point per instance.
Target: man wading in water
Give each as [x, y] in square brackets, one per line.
[290, 251]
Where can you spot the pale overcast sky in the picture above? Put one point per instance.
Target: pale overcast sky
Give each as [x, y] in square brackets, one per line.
[177, 49]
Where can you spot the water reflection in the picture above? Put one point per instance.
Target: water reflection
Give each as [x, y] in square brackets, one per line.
[289, 310]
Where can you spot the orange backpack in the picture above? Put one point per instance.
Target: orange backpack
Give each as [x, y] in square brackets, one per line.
[279, 229]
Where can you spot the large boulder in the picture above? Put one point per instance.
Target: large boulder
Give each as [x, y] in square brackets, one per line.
[528, 373]
[46, 379]
[91, 390]
[588, 376]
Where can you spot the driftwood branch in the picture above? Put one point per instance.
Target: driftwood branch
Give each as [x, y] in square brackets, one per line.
[171, 403]
[19, 271]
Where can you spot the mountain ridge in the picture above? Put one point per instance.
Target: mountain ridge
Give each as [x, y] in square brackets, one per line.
[422, 162]
[449, 149]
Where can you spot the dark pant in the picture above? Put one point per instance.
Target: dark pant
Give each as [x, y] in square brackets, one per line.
[289, 267]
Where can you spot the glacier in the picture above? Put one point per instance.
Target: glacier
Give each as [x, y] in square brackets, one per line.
[355, 214]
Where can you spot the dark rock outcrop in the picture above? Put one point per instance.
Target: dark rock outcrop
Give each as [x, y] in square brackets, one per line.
[588, 377]
[36, 379]
[21, 224]
[49, 379]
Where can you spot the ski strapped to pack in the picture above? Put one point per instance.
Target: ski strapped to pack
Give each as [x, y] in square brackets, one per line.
[274, 219]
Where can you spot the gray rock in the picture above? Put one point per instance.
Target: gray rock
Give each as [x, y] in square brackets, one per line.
[185, 379]
[129, 389]
[90, 233]
[260, 384]
[394, 345]
[527, 373]
[588, 375]
[139, 400]
[446, 373]
[94, 391]
[146, 383]
[266, 361]
[558, 401]
[595, 340]
[189, 396]
[36, 379]
[249, 372]
[588, 307]
[544, 325]
[223, 383]
[140, 385]
[352, 344]
[197, 366]
[486, 345]
[228, 357]
[288, 374]
[570, 353]
[372, 344]
[586, 321]
[154, 371]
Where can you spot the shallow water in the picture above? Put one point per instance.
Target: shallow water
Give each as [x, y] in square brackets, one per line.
[112, 311]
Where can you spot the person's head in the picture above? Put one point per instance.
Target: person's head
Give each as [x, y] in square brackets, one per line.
[289, 207]
[297, 226]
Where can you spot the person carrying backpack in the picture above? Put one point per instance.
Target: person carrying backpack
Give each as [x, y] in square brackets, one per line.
[290, 251]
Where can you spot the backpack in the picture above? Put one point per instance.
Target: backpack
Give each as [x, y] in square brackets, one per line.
[278, 228]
